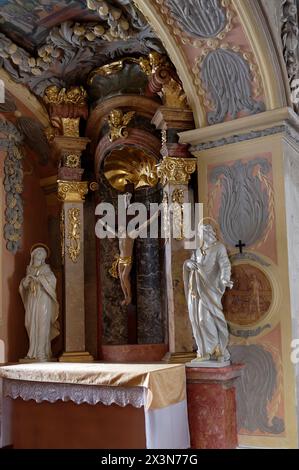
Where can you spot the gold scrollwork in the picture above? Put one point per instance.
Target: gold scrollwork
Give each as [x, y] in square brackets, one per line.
[74, 234]
[72, 191]
[176, 170]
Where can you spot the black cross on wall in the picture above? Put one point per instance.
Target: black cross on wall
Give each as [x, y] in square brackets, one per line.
[240, 245]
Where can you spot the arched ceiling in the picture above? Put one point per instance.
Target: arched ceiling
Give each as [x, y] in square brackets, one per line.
[46, 41]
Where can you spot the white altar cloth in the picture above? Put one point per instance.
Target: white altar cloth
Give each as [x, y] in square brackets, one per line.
[166, 419]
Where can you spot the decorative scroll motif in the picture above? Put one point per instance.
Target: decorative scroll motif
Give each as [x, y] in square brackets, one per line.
[259, 389]
[74, 237]
[289, 37]
[72, 191]
[53, 392]
[176, 170]
[196, 20]
[178, 198]
[247, 201]
[227, 76]
[118, 122]
[13, 185]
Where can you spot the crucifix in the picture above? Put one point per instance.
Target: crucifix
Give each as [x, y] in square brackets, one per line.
[240, 245]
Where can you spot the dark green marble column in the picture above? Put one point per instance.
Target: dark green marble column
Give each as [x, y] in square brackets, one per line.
[149, 257]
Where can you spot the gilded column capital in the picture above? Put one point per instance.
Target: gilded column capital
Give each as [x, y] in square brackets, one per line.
[72, 191]
[176, 170]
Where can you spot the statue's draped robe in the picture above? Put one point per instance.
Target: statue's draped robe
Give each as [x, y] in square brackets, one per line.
[41, 317]
[204, 291]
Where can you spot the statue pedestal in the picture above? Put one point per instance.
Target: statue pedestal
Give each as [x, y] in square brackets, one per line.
[212, 411]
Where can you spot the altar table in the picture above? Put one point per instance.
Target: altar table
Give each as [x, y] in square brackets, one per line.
[120, 405]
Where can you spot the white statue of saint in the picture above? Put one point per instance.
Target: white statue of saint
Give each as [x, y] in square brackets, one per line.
[38, 292]
[206, 276]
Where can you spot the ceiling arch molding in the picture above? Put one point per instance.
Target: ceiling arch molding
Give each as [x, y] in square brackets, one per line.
[251, 17]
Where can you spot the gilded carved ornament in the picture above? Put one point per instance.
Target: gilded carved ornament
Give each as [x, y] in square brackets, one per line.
[176, 170]
[164, 79]
[72, 191]
[73, 95]
[74, 237]
[118, 122]
[66, 107]
[72, 160]
[130, 165]
[178, 197]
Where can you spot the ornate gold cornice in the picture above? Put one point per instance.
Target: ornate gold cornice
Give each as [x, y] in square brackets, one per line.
[176, 170]
[72, 191]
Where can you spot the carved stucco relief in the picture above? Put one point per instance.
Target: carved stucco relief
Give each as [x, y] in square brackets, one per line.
[259, 391]
[13, 184]
[246, 210]
[227, 78]
[196, 22]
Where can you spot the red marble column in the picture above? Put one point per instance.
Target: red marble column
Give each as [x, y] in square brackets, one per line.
[212, 413]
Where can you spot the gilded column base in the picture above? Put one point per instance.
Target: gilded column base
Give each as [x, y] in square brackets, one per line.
[76, 357]
[179, 358]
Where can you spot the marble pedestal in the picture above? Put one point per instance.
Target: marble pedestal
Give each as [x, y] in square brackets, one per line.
[211, 397]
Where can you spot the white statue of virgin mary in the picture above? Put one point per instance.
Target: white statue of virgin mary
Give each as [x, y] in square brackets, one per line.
[38, 292]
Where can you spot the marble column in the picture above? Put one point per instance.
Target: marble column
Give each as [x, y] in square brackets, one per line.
[150, 321]
[175, 172]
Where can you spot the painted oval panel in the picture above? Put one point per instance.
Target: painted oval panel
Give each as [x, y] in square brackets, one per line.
[250, 299]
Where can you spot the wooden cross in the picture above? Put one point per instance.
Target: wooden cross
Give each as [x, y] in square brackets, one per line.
[240, 245]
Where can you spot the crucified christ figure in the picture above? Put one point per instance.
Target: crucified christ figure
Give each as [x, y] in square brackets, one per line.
[122, 266]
